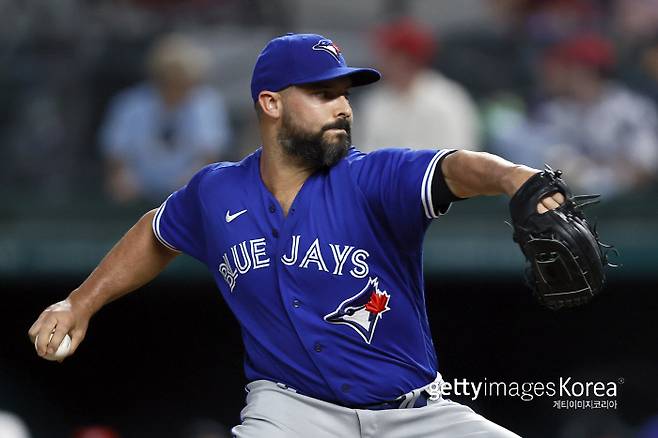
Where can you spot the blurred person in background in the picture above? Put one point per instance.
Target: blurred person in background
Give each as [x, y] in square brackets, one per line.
[549, 21]
[604, 136]
[642, 69]
[157, 134]
[414, 106]
[634, 21]
[11, 426]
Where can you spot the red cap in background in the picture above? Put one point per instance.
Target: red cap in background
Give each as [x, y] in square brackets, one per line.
[409, 37]
[587, 50]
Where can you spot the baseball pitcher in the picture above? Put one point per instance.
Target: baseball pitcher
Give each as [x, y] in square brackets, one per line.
[316, 248]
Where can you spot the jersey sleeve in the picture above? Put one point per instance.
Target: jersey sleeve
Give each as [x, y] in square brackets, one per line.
[404, 187]
[178, 223]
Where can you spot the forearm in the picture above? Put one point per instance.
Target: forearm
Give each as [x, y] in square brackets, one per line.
[469, 174]
[135, 260]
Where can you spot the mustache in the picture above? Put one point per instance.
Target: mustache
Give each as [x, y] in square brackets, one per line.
[339, 124]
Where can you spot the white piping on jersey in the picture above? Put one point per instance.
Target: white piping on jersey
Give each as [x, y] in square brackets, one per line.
[156, 227]
[426, 187]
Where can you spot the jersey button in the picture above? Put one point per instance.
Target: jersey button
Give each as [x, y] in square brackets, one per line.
[272, 209]
[275, 233]
[345, 387]
[318, 347]
[296, 303]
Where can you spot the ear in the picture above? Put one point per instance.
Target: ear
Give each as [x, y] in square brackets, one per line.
[271, 104]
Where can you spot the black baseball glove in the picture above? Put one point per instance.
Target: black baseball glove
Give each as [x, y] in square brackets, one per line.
[566, 259]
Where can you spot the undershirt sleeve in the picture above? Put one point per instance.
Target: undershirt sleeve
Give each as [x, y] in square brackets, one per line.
[442, 196]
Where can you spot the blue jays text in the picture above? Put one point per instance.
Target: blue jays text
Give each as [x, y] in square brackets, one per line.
[251, 254]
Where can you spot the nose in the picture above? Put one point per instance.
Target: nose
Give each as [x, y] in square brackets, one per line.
[343, 108]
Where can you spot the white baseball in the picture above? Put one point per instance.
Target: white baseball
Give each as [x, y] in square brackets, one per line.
[62, 351]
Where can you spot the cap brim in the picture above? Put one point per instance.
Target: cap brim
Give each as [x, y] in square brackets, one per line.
[359, 76]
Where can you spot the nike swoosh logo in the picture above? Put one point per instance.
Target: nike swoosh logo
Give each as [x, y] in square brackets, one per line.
[230, 217]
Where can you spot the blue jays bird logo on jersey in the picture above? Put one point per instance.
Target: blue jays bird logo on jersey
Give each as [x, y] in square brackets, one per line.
[363, 311]
[329, 47]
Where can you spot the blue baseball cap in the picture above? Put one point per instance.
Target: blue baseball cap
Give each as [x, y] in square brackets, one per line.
[296, 59]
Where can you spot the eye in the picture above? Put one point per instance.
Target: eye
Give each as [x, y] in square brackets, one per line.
[329, 94]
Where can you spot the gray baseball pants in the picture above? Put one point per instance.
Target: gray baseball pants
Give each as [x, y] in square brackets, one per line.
[276, 412]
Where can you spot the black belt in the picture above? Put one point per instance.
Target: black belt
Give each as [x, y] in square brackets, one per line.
[402, 402]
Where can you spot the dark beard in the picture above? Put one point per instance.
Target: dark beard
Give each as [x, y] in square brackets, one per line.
[310, 149]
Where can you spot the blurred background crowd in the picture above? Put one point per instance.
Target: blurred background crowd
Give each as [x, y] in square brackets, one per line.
[109, 105]
[129, 98]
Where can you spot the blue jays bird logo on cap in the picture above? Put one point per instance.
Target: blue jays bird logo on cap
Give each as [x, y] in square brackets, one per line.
[329, 47]
[363, 311]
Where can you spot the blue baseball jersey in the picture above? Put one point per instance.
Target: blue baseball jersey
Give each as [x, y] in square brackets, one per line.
[329, 298]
